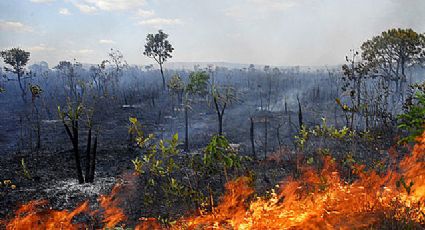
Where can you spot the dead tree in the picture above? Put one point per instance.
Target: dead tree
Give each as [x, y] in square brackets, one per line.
[251, 134]
[300, 114]
[265, 136]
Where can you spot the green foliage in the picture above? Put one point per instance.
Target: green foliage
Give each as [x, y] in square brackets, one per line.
[302, 137]
[402, 46]
[345, 107]
[384, 58]
[219, 155]
[158, 47]
[159, 167]
[198, 83]
[329, 131]
[159, 158]
[2, 90]
[35, 91]
[175, 84]
[136, 129]
[326, 134]
[324, 152]
[413, 120]
[157, 164]
[138, 164]
[16, 58]
[224, 95]
[310, 160]
[167, 175]
[25, 170]
[366, 135]
[73, 112]
[323, 130]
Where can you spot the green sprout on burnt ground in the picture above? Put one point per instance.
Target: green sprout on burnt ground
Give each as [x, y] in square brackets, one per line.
[157, 165]
[25, 171]
[220, 156]
[168, 175]
[323, 140]
[138, 165]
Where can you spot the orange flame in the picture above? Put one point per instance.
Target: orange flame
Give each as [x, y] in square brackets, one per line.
[112, 213]
[324, 201]
[316, 200]
[34, 216]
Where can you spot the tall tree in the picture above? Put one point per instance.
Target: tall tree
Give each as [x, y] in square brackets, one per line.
[391, 52]
[69, 71]
[159, 48]
[17, 59]
[118, 64]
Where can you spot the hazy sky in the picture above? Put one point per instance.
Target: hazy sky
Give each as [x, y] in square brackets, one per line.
[276, 32]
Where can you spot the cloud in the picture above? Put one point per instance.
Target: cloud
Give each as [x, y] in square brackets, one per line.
[112, 5]
[64, 11]
[39, 48]
[157, 22]
[14, 26]
[85, 8]
[145, 13]
[274, 5]
[106, 41]
[84, 51]
[234, 12]
[259, 8]
[42, 1]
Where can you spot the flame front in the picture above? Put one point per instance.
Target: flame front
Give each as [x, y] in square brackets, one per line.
[34, 216]
[324, 201]
[316, 200]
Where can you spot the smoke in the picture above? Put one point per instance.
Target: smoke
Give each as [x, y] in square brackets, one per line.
[407, 13]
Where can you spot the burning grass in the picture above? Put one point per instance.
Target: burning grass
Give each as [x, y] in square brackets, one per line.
[315, 200]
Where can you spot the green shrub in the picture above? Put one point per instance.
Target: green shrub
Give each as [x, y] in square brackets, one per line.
[413, 119]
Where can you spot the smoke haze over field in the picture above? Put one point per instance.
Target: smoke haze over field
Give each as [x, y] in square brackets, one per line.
[276, 32]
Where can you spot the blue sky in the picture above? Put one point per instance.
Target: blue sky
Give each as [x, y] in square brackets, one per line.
[275, 32]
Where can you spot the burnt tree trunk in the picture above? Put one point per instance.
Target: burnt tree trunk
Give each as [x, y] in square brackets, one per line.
[163, 78]
[251, 134]
[220, 114]
[220, 124]
[278, 135]
[265, 137]
[23, 92]
[73, 136]
[186, 129]
[88, 160]
[93, 161]
[300, 114]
